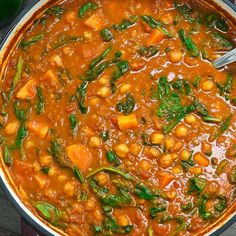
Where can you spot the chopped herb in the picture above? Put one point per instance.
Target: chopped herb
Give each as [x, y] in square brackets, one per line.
[153, 23]
[188, 43]
[78, 175]
[145, 140]
[73, 124]
[148, 52]
[182, 86]
[113, 158]
[196, 185]
[127, 106]
[104, 135]
[107, 35]
[86, 7]
[125, 24]
[7, 157]
[225, 90]
[203, 213]
[221, 41]
[34, 39]
[64, 76]
[40, 104]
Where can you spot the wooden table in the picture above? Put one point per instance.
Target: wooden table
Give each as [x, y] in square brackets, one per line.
[10, 224]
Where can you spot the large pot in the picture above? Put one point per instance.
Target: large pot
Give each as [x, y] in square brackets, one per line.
[19, 26]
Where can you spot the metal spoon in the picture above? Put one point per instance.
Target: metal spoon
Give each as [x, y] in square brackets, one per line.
[229, 57]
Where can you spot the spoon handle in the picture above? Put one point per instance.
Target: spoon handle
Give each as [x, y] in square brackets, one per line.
[226, 59]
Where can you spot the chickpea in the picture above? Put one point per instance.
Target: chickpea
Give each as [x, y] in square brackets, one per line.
[36, 167]
[104, 80]
[207, 85]
[52, 171]
[88, 35]
[90, 204]
[104, 92]
[166, 161]
[177, 169]
[102, 178]
[123, 220]
[157, 138]
[69, 189]
[175, 56]
[152, 152]
[169, 143]
[94, 142]
[95, 101]
[11, 128]
[195, 170]
[190, 119]
[125, 88]
[181, 131]
[184, 155]
[171, 194]
[145, 165]
[206, 148]
[29, 144]
[122, 150]
[62, 178]
[45, 160]
[135, 149]
[177, 147]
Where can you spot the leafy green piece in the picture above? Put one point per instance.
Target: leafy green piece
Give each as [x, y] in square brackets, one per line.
[56, 11]
[225, 90]
[98, 59]
[79, 175]
[215, 20]
[127, 106]
[222, 41]
[64, 40]
[153, 23]
[186, 208]
[232, 175]
[196, 185]
[104, 135]
[188, 43]
[157, 209]
[180, 227]
[196, 81]
[86, 7]
[144, 192]
[81, 91]
[110, 169]
[21, 134]
[148, 52]
[21, 114]
[221, 204]
[186, 11]
[222, 166]
[33, 40]
[125, 24]
[113, 158]
[48, 212]
[7, 157]
[223, 126]
[41, 103]
[106, 35]
[145, 140]
[203, 213]
[182, 86]
[73, 124]
[187, 164]
[45, 170]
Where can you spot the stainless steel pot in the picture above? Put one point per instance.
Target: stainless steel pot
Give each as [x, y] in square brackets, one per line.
[18, 27]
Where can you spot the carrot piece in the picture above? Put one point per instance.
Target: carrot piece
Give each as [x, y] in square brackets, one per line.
[127, 122]
[96, 21]
[28, 91]
[155, 37]
[201, 160]
[39, 129]
[165, 178]
[41, 181]
[80, 156]
[50, 77]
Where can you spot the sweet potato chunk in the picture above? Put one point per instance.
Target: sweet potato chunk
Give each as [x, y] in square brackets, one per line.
[80, 156]
[39, 129]
[127, 122]
[28, 91]
[165, 178]
[201, 160]
[96, 21]
[50, 77]
[155, 37]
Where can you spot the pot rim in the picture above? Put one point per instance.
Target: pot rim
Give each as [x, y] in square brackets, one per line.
[24, 211]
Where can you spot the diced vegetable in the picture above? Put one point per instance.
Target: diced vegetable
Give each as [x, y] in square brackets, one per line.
[39, 129]
[232, 175]
[165, 178]
[221, 168]
[86, 7]
[28, 91]
[201, 160]
[50, 78]
[96, 21]
[155, 37]
[127, 122]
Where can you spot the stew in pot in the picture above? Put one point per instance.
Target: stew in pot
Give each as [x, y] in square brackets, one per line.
[114, 121]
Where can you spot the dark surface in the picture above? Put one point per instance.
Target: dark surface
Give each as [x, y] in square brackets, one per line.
[10, 220]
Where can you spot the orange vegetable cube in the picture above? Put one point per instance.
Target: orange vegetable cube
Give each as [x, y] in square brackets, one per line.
[28, 91]
[165, 178]
[201, 160]
[155, 37]
[39, 129]
[96, 21]
[80, 156]
[127, 122]
[50, 77]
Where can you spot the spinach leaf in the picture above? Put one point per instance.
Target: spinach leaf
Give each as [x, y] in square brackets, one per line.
[79, 175]
[45, 170]
[48, 212]
[215, 20]
[56, 11]
[40, 104]
[203, 213]
[64, 40]
[33, 40]
[21, 114]
[7, 157]
[113, 158]
[221, 204]
[182, 86]
[186, 11]
[125, 24]
[21, 134]
[196, 81]
[81, 91]
[104, 135]
[86, 7]
[196, 185]
[223, 126]
[188, 43]
[221, 41]
[106, 35]
[186, 208]
[157, 209]
[144, 192]
[73, 124]
[98, 59]
[225, 90]
[148, 52]
[127, 106]
[153, 23]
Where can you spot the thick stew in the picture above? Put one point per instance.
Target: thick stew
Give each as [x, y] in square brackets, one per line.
[114, 120]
